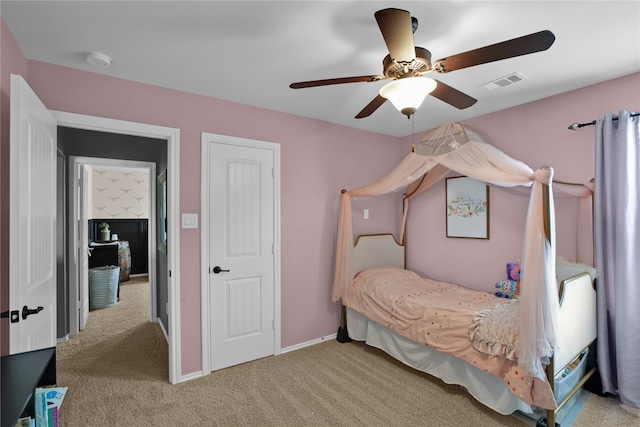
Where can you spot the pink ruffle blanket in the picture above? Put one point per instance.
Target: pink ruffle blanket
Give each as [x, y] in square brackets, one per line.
[440, 315]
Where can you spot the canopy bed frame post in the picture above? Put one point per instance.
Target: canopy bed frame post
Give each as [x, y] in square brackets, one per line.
[551, 414]
[550, 419]
[343, 335]
[545, 210]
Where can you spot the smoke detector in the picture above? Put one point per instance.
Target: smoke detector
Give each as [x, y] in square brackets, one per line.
[98, 59]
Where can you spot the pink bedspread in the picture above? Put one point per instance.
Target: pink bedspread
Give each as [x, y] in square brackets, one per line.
[439, 315]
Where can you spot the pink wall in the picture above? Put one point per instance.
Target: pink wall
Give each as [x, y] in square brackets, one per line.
[318, 160]
[537, 134]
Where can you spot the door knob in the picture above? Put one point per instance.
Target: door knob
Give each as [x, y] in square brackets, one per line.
[217, 269]
[26, 311]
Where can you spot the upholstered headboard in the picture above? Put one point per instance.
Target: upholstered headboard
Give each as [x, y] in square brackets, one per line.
[378, 250]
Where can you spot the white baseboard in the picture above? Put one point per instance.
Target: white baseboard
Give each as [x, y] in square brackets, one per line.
[199, 374]
[308, 343]
[191, 376]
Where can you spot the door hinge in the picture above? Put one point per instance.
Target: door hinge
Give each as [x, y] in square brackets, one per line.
[14, 315]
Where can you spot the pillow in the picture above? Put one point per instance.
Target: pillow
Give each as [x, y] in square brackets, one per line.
[566, 269]
[508, 289]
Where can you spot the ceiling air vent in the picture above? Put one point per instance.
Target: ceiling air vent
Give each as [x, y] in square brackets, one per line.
[504, 81]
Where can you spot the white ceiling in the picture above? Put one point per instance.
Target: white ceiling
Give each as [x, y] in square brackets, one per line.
[250, 51]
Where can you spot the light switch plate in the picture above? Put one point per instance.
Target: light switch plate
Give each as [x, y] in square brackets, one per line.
[189, 220]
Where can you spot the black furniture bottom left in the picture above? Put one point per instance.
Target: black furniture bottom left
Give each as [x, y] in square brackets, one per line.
[21, 374]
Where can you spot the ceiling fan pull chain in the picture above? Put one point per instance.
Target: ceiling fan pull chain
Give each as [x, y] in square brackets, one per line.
[413, 131]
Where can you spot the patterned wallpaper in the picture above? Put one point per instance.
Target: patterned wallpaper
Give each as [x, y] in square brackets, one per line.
[119, 193]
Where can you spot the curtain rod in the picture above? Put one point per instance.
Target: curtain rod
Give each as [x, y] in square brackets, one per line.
[576, 126]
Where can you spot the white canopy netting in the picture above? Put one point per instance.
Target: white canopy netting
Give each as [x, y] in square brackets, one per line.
[455, 147]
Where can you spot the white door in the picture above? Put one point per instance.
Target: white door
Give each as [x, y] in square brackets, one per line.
[83, 244]
[241, 242]
[32, 221]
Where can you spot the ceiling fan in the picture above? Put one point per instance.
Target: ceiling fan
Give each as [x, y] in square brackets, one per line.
[406, 64]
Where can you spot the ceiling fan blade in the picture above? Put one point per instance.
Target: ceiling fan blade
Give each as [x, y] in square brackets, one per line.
[371, 107]
[397, 31]
[536, 42]
[340, 80]
[452, 96]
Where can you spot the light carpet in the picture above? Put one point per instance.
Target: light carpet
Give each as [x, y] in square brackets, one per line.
[116, 371]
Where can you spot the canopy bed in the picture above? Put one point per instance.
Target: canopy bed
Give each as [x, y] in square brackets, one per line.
[396, 310]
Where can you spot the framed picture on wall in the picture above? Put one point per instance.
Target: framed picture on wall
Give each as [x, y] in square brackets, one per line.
[467, 208]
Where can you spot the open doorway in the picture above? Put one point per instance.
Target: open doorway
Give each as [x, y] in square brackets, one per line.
[137, 143]
[121, 193]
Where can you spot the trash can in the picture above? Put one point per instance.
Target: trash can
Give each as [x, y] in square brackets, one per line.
[103, 286]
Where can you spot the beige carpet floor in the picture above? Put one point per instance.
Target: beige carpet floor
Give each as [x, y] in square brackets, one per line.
[117, 374]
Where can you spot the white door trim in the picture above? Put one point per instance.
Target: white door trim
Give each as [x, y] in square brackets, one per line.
[172, 135]
[80, 240]
[208, 138]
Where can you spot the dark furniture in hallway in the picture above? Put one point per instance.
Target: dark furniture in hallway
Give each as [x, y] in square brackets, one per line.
[21, 374]
[135, 231]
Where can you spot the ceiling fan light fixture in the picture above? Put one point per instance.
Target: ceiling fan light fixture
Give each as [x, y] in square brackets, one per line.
[408, 94]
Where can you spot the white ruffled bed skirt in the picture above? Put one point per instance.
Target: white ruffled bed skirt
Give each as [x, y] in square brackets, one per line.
[485, 388]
